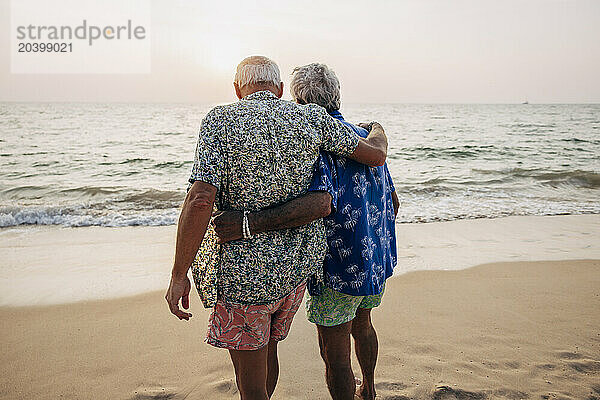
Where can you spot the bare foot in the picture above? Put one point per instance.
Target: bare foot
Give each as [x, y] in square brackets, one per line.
[358, 382]
[362, 393]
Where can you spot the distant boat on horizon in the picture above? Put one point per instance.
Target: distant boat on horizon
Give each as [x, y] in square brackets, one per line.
[525, 102]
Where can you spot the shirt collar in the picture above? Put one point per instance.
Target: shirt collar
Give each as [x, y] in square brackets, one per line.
[261, 95]
[336, 114]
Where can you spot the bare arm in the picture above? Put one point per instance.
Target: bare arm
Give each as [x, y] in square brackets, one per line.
[193, 221]
[396, 203]
[371, 150]
[297, 212]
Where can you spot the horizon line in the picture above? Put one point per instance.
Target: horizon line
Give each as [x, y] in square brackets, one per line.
[349, 103]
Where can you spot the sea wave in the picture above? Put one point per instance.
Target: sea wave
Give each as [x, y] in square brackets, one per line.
[121, 194]
[76, 217]
[449, 152]
[441, 205]
[88, 206]
[155, 198]
[577, 178]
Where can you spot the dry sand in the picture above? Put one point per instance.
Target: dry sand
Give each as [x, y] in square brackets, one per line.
[525, 330]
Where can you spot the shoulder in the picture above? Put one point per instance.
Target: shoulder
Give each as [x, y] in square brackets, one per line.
[217, 112]
[362, 132]
[318, 117]
[311, 114]
[316, 111]
[310, 111]
[217, 117]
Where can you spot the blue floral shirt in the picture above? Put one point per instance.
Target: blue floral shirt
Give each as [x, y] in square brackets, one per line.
[361, 236]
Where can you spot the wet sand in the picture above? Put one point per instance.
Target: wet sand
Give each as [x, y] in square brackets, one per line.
[56, 265]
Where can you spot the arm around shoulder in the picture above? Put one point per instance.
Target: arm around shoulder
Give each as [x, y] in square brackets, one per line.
[371, 150]
[296, 212]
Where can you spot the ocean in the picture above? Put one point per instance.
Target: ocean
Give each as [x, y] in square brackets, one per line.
[128, 164]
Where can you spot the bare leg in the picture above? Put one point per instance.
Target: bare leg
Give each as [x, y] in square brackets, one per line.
[272, 367]
[251, 373]
[366, 346]
[334, 342]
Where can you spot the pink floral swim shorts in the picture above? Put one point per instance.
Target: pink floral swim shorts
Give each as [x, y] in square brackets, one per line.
[237, 326]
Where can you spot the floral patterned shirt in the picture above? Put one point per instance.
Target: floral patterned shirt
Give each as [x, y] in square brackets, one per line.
[259, 152]
[360, 230]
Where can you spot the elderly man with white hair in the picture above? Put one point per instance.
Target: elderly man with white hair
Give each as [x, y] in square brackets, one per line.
[251, 155]
[361, 242]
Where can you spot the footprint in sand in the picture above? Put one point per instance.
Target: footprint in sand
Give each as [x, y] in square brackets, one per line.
[580, 363]
[385, 390]
[225, 386]
[510, 394]
[547, 367]
[391, 386]
[585, 366]
[567, 355]
[448, 393]
[154, 394]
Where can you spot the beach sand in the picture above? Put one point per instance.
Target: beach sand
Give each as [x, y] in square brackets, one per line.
[512, 330]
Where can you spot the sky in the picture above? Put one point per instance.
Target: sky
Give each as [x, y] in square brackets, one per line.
[421, 51]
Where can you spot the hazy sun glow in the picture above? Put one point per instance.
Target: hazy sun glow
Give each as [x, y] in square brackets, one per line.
[221, 53]
[383, 51]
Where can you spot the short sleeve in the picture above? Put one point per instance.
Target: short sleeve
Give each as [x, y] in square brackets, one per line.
[208, 161]
[337, 137]
[325, 178]
[390, 181]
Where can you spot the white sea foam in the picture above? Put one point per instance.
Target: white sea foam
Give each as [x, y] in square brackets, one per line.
[52, 216]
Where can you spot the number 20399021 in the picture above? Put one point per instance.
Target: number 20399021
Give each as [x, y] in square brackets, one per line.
[26, 47]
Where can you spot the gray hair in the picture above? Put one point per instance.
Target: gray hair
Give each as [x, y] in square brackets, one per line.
[316, 83]
[257, 70]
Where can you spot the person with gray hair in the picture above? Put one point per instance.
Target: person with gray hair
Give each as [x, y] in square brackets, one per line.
[253, 155]
[317, 84]
[257, 70]
[361, 240]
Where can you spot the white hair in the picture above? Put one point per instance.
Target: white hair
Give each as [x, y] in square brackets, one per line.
[257, 70]
[316, 83]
